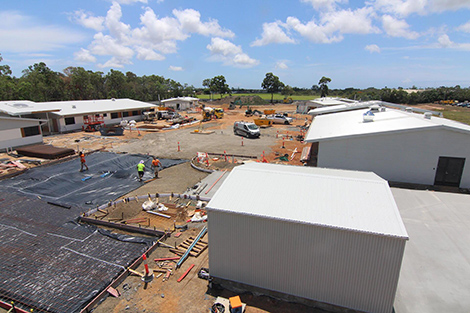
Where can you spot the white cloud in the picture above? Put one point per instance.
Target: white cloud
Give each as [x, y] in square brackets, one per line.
[84, 55]
[272, 33]
[155, 37]
[87, 20]
[372, 48]
[229, 54]
[160, 34]
[445, 42]
[21, 34]
[116, 28]
[190, 21]
[107, 45]
[223, 47]
[334, 24]
[148, 54]
[130, 1]
[311, 31]
[464, 27]
[175, 68]
[114, 62]
[449, 5]
[402, 7]
[350, 22]
[281, 65]
[397, 28]
[324, 4]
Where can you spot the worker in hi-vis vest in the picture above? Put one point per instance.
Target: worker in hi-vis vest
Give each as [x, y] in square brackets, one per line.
[141, 169]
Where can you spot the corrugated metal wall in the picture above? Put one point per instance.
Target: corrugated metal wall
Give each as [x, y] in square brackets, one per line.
[339, 267]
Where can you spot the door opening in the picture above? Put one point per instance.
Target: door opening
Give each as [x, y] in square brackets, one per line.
[449, 171]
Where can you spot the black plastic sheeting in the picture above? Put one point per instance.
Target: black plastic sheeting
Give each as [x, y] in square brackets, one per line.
[110, 176]
[50, 263]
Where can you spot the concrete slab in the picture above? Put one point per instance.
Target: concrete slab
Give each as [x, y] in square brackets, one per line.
[436, 267]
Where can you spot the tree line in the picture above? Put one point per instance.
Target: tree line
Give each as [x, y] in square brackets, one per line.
[39, 83]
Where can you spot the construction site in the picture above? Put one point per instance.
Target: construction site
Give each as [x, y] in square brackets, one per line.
[245, 212]
[103, 241]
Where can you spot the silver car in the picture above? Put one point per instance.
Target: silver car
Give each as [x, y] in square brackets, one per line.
[279, 119]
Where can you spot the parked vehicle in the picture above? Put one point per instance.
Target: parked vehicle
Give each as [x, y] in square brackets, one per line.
[168, 115]
[246, 129]
[279, 119]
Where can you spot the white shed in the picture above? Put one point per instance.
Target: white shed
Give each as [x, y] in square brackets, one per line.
[331, 236]
[181, 103]
[16, 132]
[397, 145]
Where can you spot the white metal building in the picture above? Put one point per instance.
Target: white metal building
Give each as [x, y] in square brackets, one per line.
[305, 107]
[340, 108]
[111, 111]
[332, 236]
[65, 116]
[181, 103]
[397, 145]
[16, 132]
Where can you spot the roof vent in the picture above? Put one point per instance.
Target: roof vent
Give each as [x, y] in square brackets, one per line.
[20, 105]
[112, 99]
[368, 117]
[427, 115]
[74, 106]
[374, 108]
[409, 110]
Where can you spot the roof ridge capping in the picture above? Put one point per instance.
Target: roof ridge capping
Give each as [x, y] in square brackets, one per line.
[314, 171]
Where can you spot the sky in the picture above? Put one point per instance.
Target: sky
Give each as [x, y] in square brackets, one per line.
[359, 44]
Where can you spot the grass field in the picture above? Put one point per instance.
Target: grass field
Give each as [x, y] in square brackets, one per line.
[264, 96]
[461, 115]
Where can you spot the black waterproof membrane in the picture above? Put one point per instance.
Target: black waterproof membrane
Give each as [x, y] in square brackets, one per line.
[50, 263]
[110, 176]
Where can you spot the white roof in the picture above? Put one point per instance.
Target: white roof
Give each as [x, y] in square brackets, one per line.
[339, 108]
[350, 124]
[96, 106]
[180, 99]
[326, 101]
[23, 107]
[72, 107]
[350, 200]
[21, 119]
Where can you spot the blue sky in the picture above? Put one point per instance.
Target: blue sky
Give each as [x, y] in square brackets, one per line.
[359, 44]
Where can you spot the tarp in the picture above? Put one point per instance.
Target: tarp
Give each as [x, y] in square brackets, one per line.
[110, 176]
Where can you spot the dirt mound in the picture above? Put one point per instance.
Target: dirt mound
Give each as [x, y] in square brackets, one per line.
[245, 100]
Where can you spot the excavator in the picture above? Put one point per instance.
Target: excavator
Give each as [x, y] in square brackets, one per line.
[209, 113]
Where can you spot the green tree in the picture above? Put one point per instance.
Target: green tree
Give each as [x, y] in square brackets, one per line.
[323, 84]
[272, 84]
[115, 82]
[7, 83]
[45, 84]
[287, 91]
[217, 84]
